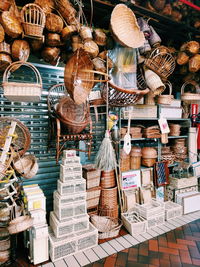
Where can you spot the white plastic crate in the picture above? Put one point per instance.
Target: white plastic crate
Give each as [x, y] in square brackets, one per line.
[66, 199]
[134, 223]
[65, 246]
[66, 211]
[70, 172]
[71, 187]
[39, 216]
[156, 220]
[69, 153]
[68, 226]
[172, 210]
[70, 160]
[149, 209]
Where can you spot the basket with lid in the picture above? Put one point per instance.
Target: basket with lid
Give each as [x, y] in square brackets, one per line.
[23, 92]
[149, 155]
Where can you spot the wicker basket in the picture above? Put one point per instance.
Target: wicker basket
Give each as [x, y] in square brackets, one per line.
[20, 224]
[189, 97]
[161, 62]
[109, 197]
[166, 99]
[27, 166]
[5, 48]
[5, 5]
[33, 20]
[108, 179]
[23, 92]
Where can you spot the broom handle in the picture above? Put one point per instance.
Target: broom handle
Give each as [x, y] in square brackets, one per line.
[107, 93]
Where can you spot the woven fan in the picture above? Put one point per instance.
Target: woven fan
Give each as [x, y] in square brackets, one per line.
[78, 77]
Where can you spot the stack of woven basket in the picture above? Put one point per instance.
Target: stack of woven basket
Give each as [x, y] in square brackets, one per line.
[179, 149]
[175, 129]
[152, 132]
[167, 154]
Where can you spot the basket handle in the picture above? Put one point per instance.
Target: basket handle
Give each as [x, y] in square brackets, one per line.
[169, 86]
[186, 83]
[129, 91]
[8, 70]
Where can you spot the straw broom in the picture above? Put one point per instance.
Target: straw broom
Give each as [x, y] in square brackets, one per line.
[106, 158]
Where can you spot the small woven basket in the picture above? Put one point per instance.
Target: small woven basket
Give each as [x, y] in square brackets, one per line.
[20, 224]
[23, 92]
[33, 20]
[166, 99]
[189, 97]
[162, 63]
[27, 166]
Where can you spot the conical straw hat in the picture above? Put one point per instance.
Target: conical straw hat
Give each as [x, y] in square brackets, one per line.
[124, 27]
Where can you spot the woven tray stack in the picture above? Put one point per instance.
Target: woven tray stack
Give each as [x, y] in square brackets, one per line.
[167, 154]
[175, 129]
[136, 132]
[180, 150]
[152, 132]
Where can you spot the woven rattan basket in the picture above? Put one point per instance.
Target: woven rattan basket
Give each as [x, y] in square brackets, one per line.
[189, 97]
[33, 20]
[27, 166]
[20, 224]
[108, 197]
[166, 99]
[108, 179]
[162, 63]
[22, 92]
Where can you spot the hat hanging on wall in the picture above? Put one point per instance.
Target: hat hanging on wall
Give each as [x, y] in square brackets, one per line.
[124, 27]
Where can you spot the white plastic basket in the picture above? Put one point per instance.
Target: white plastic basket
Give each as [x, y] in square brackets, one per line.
[156, 220]
[134, 223]
[66, 199]
[149, 209]
[65, 246]
[172, 210]
[183, 182]
[70, 160]
[70, 172]
[68, 226]
[78, 186]
[66, 211]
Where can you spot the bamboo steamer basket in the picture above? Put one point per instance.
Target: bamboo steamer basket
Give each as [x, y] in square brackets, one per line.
[154, 82]
[33, 20]
[27, 166]
[108, 179]
[5, 48]
[86, 33]
[20, 224]
[20, 50]
[54, 23]
[11, 24]
[99, 37]
[2, 33]
[76, 43]
[5, 244]
[5, 61]
[50, 54]
[189, 97]
[67, 32]
[78, 81]
[194, 63]
[46, 5]
[108, 197]
[75, 117]
[166, 99]
[123, 24]
[53, 39]
[4, 256]
[91, 48]
[99, 64]
[5, 5]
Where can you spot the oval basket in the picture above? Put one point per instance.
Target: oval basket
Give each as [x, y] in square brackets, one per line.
[162, 63]
[189, 97]
[166, 99]
[33, 20]
[23, 92]
[20, 224]
[26, 166]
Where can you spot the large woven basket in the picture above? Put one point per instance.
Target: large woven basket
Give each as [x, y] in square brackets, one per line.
[78, 77]
[161, 62]
[33, 20]
[20, 224]
[123, 25]
[22, 92]
[27, 166]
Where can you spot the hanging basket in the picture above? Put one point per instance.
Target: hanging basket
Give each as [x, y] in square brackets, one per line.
[189, 97]
[166, 99]
[161, 62]
[22, 92]
[33, 20]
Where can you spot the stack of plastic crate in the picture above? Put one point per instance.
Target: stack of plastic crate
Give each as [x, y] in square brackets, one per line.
[70, 230]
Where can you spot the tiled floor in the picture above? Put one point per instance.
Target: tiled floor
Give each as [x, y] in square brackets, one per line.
[176, 243]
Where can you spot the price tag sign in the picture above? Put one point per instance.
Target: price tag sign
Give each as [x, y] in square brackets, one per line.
[164, 127]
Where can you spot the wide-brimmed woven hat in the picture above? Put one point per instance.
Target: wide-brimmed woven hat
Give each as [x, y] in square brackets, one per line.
[124, 27]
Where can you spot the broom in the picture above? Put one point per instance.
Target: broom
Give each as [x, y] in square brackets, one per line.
[106, 158]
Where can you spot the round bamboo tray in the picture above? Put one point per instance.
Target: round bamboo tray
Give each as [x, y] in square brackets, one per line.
[108, 179]
[26, 166]
[109, 197]
[123, 24]
[20, 50]
[20, 224]
[78, 77]
[11, 24]
[54, 23]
